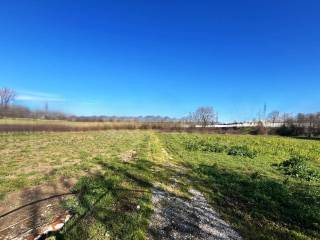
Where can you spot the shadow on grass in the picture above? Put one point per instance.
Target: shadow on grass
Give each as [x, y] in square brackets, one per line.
[117, 203]
[307, 138]
[37, 206]
[106, 208]
[135, 173]
[259, 207]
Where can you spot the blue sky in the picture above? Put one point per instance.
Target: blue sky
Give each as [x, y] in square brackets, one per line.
[162, 57]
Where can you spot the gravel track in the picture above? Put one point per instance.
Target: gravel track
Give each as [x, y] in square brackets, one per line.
[178, 218]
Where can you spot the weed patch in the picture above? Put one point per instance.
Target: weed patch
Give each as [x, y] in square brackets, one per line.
[241, 150]
[297, 166]
[208, 145]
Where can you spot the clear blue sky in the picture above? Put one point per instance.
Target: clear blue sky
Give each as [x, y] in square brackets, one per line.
[162, 57]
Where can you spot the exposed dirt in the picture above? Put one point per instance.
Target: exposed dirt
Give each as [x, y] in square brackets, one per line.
[22, 213]
[178, 218]
[128, 156]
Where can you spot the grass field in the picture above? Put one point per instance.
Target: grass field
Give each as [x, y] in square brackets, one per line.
[241, 176]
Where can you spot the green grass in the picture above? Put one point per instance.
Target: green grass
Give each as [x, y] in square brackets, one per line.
[250, 192]
[28, 159]
[116, 203]
[239, 175]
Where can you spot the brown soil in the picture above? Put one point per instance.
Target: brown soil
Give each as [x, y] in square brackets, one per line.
[128, 156]
[22, 213]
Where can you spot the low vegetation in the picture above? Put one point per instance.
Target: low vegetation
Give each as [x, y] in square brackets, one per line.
[41, 125]
[257, 183]
[297, 166]
[210, 145]
[262, 201]
[40, 157]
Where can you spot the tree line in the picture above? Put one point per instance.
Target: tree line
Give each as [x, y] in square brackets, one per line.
[9, 109]
[301, 124]
[202, 116]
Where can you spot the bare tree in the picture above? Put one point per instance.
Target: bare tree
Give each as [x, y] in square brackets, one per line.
[204, 116]
[301, 119]
[7, 95]
[274, 116]
[311, 119]
[286, 118]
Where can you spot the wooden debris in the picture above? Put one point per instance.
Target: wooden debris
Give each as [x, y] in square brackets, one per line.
[54, 227]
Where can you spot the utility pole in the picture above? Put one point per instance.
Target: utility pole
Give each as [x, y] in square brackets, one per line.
[264, 111]
[46, 109]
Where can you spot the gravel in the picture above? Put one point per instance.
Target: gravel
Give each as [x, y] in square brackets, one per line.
[179, 218]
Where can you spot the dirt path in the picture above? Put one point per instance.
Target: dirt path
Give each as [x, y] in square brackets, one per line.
[177, 218]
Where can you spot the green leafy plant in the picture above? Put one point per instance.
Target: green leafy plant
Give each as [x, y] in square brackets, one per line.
[241, 150]
[204, 145]
[298, 167]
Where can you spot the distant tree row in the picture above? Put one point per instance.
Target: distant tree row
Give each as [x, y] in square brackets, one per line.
[297, 125]
[9, 109]
[16, 111]
[301, 124]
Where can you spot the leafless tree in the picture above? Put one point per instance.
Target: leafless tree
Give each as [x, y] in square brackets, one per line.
[204, 116]
[286, 118]
[274, 116]
[7, 95]
[301, 119]
[318, 120]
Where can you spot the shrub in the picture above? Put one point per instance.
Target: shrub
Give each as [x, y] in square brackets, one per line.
[260, 129]
[192, 145]
[205, 146]
[297, 167]
[241, 150]
[290, 130]
[218, 148]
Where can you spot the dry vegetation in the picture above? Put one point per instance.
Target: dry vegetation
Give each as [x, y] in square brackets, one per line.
[31, 125]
